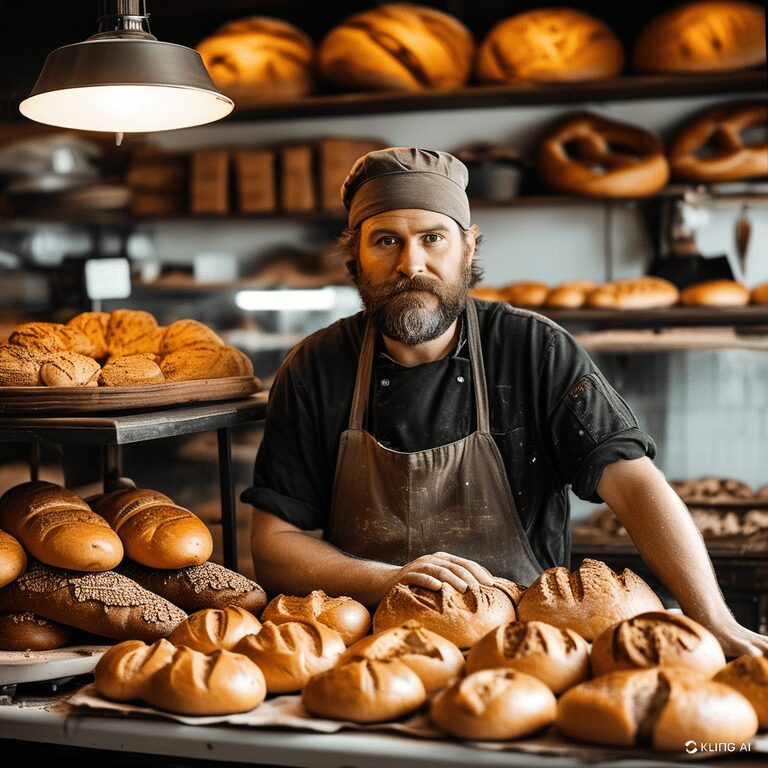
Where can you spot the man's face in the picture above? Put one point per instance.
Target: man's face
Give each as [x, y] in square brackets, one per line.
[414, 272]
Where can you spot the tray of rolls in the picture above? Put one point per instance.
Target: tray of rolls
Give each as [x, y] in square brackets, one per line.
[119, 360]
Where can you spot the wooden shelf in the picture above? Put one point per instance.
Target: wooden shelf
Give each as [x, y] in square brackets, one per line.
[671, 317]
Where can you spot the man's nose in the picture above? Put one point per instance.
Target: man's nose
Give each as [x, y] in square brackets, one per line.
[411, 260]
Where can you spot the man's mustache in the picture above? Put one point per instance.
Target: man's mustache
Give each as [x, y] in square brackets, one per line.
[406, 284]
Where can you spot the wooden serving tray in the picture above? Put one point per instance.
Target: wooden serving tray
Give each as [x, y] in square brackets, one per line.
[50, 400]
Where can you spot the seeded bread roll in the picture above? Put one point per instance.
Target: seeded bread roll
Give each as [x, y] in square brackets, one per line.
[37, 338]
[558, 657]
[187, 333]
[656, 705]
[208, 585]
[205, 361]
[132, 331]
[25, 631]
[122, 673]
[131, 371]
[106, 604]
[634, 293]
[69, 369]
[342, 614]
[19, 366]
[461, 618]
[290, 654]
[657, 639]
[715, 293]
[58, 528]
[364, 691]
[749, 676]
[525, 294]
[155, 531]
[434, 659]
[494, 704]
[587, 600]
[13, 558]
[93, 325]
[213, 628]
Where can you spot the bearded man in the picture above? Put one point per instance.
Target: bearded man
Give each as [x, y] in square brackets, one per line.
[432, 438]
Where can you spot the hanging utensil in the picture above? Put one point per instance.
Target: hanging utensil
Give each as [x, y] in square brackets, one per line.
[742, 234]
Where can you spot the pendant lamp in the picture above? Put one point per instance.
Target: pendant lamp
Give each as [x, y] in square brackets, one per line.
[124, 80]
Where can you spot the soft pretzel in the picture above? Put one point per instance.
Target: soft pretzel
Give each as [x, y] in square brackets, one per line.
[590, 155]
[711, 146]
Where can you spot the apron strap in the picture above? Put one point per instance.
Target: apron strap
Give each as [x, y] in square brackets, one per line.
[363, 381]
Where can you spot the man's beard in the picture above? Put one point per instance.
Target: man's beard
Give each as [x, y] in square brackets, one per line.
[399, 306]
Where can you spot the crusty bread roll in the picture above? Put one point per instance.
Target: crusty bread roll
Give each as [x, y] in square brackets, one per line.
[208, 585]
[187, 333]
[131, 332]
[13, 558]
[655, 705]
[759, 294]
[511, 589]
[432, 657]
[259, 59]
[364, 691]
[462, 618]
[121, 674]
[19, 367]
[342, 614]
[93, 325]
[570, 295]
[213, 628]
[486, 293]
[494, 704]
[154, 531]
[193, 683]
[749, 676]
[634, 293]
[588, 600]
[559, 657]
[525, 294]
[205, 361]
[715, 293]
[397, 46]
[69, 369]
[290, 654]
[657, 639]
[549, 44]
[137, 370]
[702, 37]
[105, 603]
[58, 528]
[37, 337]
[25, 631]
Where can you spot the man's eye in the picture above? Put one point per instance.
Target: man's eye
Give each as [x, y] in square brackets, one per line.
[432, 238]
[387, 240]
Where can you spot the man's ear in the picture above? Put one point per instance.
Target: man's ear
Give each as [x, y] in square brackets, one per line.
[471, 240]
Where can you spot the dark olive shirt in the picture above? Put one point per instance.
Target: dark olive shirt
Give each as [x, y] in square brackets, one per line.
[555, 419]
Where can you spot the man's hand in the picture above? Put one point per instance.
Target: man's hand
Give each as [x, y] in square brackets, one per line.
[737, 640]
[431, 571]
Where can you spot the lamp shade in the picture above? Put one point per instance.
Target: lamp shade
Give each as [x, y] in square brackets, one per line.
[125, 85]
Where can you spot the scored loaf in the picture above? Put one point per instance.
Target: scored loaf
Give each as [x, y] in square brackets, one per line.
[749, 676]
[213, 628]
[13, 558]
[645, 292]
[121, 674]
[58, 528]
[154, 530]
[26, 631]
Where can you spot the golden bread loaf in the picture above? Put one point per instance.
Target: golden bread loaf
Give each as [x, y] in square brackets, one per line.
[131, 371]
[436, 660]
[397, 46]
[364, 691]
[104, 603]
[13, 558]
[19, 366]
[205, 361]
[549, 44]
[524, 294]
[154, 530]
[38, 337]
[213, 628]
[25, 631]
[656, 706]
[702, 37]
[749, 676]
[587, 600]
[187, 333]
[121, 674]
[559, 657]
[290, 654]
[58, 528]
[657, 639]
[259, 59]
[634, 293]
[759, 294]
[715, 293]
[132, 331]
[93, 325]
[494, 704]
[570, 295]
[342, 614]
[462, 618]
[486, 293]
[69, 369]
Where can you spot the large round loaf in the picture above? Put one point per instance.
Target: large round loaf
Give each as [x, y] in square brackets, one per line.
[364, 691]
[58, 528]
[397, 46]
[749, 675]
[25, 631]
[587, 600]
[106, 603]
[432, 657]
[462, 618]
[93, 325]
[702, 37]
[122, 673]
[342, 614]
[549, 44]
[155, 531]
[13, 558]
[187, 333]
[715, 293]
[494, 704]
[208, 585]
[131, 332]
[656, 705]
[657, 639]
[290, 654]
[213, 628]
[559, 657]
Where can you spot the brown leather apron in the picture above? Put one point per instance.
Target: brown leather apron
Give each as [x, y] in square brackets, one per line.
[393, 506]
